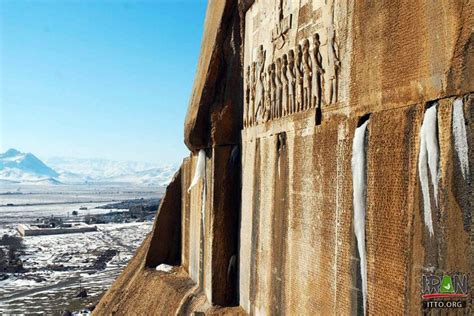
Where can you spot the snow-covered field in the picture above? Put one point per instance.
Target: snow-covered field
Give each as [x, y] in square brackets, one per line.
[59, 266]
[27, 202]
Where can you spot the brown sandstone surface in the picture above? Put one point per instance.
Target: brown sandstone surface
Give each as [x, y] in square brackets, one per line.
[270, 227]
[167, 227]
[143, 291]
[214, 112]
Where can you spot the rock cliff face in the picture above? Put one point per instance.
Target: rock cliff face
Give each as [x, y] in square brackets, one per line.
[338, 141]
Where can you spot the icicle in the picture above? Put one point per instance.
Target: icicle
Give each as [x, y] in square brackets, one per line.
[428, 159]
[203, 205]
[200, 169]
[460, 137]
[360, 194]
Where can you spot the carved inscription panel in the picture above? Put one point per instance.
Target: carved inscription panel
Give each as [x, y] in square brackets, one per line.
[291, 58]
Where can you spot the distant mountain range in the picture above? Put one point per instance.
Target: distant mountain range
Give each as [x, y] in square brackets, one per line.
[18, 167]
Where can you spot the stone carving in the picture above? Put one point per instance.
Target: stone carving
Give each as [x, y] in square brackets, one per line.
[253, 91]
[279, 88]
[247, 97]
[267, 93]
[295, 58]
[280, 10]
[282, 26]
[284, 83]
[274, 91]
[299, 79]
[333, 66]
[293, 82]
[306, 69]
[317, 72]
[260, 92]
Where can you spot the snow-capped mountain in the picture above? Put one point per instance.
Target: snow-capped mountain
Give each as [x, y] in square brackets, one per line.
[154, 176]
[18, 167]
[103, 170]
[98, 168]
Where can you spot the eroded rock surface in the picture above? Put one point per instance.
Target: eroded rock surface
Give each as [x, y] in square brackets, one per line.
[280, 89]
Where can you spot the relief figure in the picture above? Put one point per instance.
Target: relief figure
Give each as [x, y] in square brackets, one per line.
[273, 90]
[317, 70]
[278, 87]
[260, 93]
[253, 91]
[299, 78]
[306, 69]
[291, 81]
[267, 108]
[333, 66]
[284, 83]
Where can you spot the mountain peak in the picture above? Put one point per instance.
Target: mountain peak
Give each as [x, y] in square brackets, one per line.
[17, 167]
[10, 153]
[15, 161]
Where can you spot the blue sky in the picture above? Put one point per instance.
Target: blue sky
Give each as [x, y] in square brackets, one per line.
[98, 79]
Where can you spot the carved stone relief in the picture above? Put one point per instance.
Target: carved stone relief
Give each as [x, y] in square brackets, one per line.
[306, 68]
[317, 71]
[247, 96]
[292, 81]
[289, 67]
[333, 66]
[260, 90]
[278, 86]
[284, 83]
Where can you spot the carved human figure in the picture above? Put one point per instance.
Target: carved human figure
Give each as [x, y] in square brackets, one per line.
[284, 84]
[260, 111]
[247, 97]
[251, 111]
[306, 69]
[317, 72]
[267, 78]
[291, 81]
[260, 94]
[278, 87]
[274, 89]
[299, 78]
[333, 66]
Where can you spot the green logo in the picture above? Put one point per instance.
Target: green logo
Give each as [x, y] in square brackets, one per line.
[446, 285]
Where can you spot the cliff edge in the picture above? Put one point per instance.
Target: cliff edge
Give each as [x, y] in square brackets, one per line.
[332, 149]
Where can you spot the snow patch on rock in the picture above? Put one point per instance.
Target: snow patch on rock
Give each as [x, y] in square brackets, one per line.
[164, 268]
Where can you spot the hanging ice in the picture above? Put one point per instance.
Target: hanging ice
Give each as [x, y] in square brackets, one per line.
[200, 169]
[428, 159]
[460, 137]
[359, 184]
[200, 173]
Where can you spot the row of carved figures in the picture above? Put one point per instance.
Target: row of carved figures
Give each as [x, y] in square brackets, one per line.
[292, 83]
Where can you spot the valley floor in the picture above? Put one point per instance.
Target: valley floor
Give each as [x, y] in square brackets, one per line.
[58, 267]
